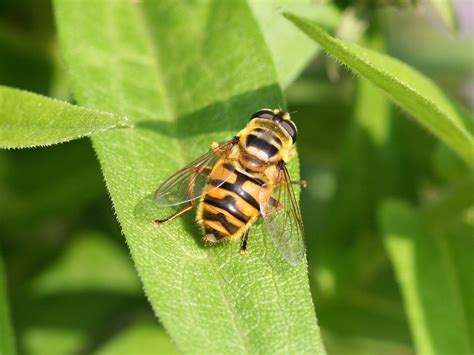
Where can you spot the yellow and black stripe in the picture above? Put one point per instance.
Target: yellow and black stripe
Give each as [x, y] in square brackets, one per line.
[227, 210]
[263, 140]
[241, 176]
[232, 202]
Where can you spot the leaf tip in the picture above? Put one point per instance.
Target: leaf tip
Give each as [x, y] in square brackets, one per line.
[125, 122]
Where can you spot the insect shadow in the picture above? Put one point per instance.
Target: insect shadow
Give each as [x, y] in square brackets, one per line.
[147, 210]
[222, 116]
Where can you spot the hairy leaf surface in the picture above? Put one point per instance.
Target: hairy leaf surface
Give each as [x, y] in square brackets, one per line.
[188, 74]
[409, 89]
[30, 120]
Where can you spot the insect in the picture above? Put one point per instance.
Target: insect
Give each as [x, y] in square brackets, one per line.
[241, 180]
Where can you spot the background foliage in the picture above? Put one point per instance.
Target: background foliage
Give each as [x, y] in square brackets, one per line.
[388, 211]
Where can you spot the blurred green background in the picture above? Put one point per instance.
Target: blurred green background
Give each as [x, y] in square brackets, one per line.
[68, 270]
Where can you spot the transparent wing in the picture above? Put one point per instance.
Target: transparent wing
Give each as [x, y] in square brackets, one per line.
[282, 218]
[188, 183]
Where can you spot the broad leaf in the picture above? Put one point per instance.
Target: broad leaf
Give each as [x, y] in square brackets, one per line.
[412, 91]
[188, 74]
[431, 270]
[29, 120]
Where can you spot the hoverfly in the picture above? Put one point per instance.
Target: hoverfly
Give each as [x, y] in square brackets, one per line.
[241, 180]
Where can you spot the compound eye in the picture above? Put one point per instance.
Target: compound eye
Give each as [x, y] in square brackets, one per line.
[265, 114]
[290, 127]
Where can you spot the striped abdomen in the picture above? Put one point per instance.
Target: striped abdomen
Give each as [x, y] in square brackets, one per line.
[226, 211]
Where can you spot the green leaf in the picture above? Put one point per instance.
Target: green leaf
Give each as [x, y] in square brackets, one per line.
[430, 279]
[291, 50]
[412, 91]
[187, 83]
[29, 120]
[7, 341]
[445, 10]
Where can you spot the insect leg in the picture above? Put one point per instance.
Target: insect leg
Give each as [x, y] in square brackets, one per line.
[176, 214]
[281, 165]
[302, 183]
[192, 201]
[245, 238]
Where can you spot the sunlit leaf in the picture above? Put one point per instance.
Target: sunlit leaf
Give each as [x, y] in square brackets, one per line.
[29, 120]
[186, 83]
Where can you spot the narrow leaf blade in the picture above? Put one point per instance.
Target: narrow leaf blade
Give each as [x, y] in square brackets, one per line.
[406, 87]
[30, 120]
